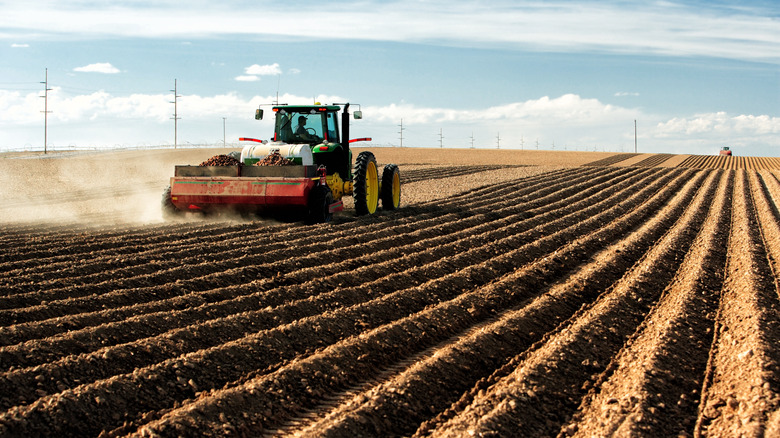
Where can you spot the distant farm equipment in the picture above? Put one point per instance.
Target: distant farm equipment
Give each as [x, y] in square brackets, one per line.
[725, 151]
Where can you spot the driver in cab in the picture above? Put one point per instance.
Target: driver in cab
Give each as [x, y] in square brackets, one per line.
[301, 130]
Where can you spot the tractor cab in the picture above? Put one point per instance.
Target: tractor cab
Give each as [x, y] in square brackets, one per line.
[309, 124]
[312, 125]
[317, 128]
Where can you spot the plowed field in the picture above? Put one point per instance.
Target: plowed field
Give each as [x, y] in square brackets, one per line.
[513, 294]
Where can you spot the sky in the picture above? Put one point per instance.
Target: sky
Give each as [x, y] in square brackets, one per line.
[683, 77]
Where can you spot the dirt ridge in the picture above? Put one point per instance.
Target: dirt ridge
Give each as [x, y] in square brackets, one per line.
[586, 300]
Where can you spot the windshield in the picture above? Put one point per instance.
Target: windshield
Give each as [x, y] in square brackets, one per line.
[310, 126]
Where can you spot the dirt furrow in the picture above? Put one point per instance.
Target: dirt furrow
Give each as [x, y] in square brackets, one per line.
[654, 160]
[210, 270]
[146, 280]
[115, 255]
[730, 162]
[447, 224]
[90, 249]
[456, 368]
[769, 218]
[653, 387]
[41, 263]
[346, 321]
[374, 348]
[237, 245]
[448, 171]
[50, 377]
[151, 260]
[547, 383]
[743, 384]
[43, 249]
[469, 231]
[773, 182]
[611, 160]
[194, 285]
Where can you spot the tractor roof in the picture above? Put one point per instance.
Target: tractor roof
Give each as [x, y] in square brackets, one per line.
[300, 108]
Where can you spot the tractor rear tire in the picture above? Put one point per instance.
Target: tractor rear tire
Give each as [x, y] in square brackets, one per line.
[318, 211]
[169, 211]
[391, 187]
[365, 184]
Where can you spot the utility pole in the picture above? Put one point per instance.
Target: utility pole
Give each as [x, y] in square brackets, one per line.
[472, 140]
[635, 136]
[441, 139]
[522, 143]
[175, 113]
[223, 132]
[402, 132]
[498, 140]
[46, 111]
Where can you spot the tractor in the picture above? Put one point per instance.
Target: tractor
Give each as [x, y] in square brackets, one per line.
[319, 171]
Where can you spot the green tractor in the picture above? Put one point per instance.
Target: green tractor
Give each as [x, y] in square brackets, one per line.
[305, 169]
[309, 135]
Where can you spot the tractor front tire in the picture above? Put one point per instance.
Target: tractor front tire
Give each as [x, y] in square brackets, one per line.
[391, 187]
[320, 199]
[365, 184]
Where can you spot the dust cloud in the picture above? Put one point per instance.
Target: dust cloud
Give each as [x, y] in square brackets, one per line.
[100, 188]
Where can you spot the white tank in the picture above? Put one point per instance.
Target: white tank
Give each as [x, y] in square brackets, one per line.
[297, 153]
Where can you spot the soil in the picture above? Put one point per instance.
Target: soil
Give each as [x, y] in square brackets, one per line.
[514, 293]
[220, 160]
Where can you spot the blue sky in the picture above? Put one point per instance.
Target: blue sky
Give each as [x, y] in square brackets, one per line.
[559, 75]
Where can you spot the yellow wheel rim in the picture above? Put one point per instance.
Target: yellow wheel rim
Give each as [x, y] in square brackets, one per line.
[396, 190]
[372, 187]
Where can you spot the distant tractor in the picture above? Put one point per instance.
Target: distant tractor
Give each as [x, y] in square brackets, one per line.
[725, 151]
[316, 174]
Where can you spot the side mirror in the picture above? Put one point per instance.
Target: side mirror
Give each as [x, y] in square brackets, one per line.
[358, 115]
[258, 114]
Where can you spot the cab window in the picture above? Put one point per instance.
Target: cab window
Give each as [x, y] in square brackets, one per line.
[308, 127]
[333, 132]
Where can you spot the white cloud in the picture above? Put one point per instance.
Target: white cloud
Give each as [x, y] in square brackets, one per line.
[263, 70]
[565, 122]
[719, 124]
[253, 72]
[100, 67]
[736, 32]
[20, 46]
[626, 93]
[570, 109]
[750, 135]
